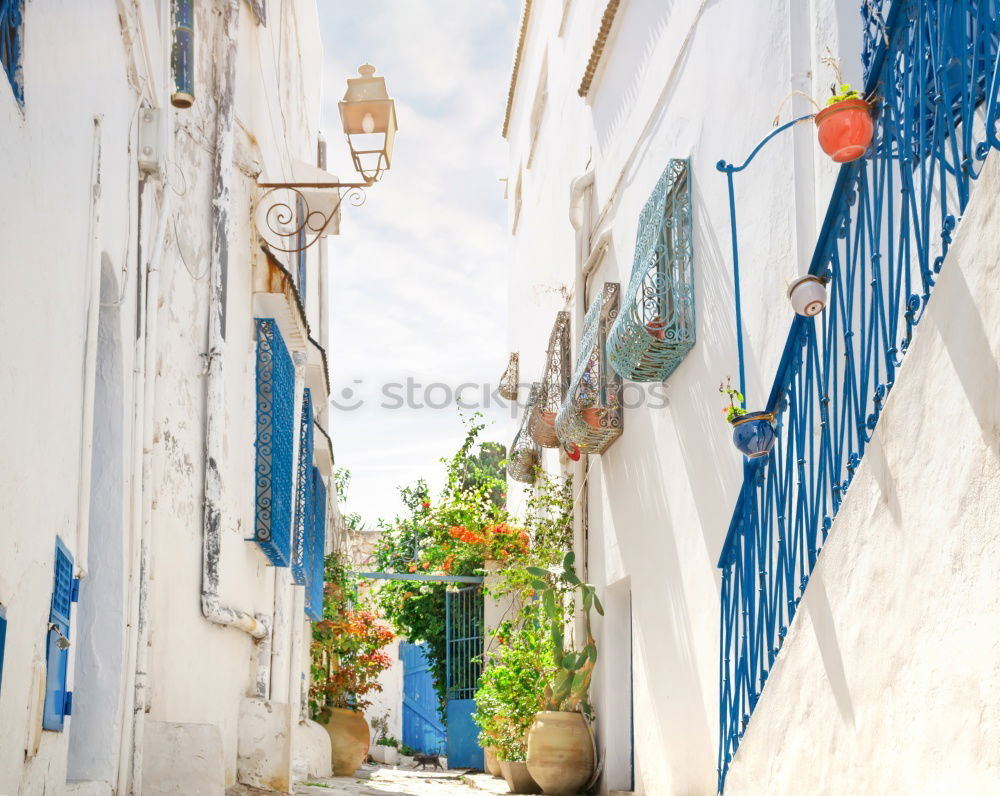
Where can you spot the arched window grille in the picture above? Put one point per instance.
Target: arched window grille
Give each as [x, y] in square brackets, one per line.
[524, 451]
[656, 327]
[555, 382]
[591, 414]
[510, 378]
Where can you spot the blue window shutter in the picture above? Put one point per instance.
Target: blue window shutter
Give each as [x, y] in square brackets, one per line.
[275, 422]
[303, 494]
[3, 639]
[11, 28]
[57, 699]
[317, 558]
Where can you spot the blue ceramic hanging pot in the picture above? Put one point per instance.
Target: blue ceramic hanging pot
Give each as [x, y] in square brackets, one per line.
[753, 434]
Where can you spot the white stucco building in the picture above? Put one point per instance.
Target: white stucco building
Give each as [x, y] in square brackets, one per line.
[157, 456]
[888, 680]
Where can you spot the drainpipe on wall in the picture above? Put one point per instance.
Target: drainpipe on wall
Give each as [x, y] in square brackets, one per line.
[133, 701]
[90, 358]
[212, 606]
[580, 193]
[152, 293]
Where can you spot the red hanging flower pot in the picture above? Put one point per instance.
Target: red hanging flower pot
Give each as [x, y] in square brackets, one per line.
[845, 129]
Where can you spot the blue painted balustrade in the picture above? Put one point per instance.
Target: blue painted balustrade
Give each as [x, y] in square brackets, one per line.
[932, 69]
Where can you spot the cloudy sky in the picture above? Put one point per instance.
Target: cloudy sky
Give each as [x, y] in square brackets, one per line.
[418, 293]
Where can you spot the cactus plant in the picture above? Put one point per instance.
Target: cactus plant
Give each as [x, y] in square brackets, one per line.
[570, 684]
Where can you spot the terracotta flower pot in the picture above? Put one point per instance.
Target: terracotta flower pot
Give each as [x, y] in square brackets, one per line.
[349, 740]
[560, 752]
[491, 762]
[517, 777]
[845, 129]
[657, 328]
[548, 417]
[592, 416]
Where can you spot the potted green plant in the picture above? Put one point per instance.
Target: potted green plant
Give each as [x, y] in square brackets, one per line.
[347, 659]
[389, 748]
[511, 692]
[753, 432]
[560, 744]
[844, 126]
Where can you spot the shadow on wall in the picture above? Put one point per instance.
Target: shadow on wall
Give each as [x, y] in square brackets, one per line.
[642, 26]
[664, 641]
[93, 735]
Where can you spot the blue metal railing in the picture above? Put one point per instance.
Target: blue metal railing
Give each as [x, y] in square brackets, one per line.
[932, 67]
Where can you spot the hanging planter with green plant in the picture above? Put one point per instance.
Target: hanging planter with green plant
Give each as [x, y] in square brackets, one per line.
[753, 432]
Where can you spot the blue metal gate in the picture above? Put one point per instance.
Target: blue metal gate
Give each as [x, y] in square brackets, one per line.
[422, 725]
[464, 628]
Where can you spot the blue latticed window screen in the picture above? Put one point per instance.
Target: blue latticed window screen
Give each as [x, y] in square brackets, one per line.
[656, 327]
[58, 701]
[11, 27]
[317, 553]
[275, 422]
[303, 494]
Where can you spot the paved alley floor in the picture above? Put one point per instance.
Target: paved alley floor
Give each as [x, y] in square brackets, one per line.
[390, 781]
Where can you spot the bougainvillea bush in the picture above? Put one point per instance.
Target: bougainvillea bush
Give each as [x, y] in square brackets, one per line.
[347, 647]
[456, 531]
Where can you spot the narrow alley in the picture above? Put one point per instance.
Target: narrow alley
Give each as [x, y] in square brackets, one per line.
[459, 397]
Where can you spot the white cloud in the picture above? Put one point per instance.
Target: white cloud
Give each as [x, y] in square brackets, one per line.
[418, 284]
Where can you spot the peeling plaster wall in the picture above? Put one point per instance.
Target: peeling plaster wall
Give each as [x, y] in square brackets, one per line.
[198, 672]
[276, 121]
[698, 80]
[46, 272]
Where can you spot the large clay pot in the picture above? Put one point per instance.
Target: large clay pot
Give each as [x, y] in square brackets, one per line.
[560, 752]
[491, 762]
[519, 780]
[845, 129]
[349, 739]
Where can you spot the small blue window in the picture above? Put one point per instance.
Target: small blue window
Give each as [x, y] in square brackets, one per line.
[11, 27]
[58, 701]
[3, 639]
[303, 495]
[317, 558]
[275, 423]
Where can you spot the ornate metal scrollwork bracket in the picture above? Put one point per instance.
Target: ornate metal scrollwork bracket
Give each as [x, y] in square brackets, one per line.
[291, 217]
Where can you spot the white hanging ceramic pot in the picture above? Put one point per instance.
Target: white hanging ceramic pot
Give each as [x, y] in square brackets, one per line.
[808, 295]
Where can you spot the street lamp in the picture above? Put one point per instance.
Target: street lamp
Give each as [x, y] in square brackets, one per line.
[369, 119]
[294, 221]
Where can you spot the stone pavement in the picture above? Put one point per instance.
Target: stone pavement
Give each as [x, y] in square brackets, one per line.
[395, 781]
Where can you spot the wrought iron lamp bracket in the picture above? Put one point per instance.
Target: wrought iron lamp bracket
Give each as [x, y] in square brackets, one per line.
[287, 228]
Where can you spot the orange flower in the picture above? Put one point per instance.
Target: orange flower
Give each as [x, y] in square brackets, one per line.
[411, 568]
[426, 564]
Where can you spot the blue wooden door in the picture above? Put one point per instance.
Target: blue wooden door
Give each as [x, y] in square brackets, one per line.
[422, 725]
[464, 626]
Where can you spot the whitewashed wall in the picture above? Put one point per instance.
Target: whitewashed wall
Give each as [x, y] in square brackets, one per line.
[198, 673]
[46, 269]
[698, 80]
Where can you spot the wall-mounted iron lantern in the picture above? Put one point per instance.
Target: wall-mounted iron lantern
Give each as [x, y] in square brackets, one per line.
[292, 216]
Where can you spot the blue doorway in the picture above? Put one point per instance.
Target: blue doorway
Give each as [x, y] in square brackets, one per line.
[422, 725]
[464, 629]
